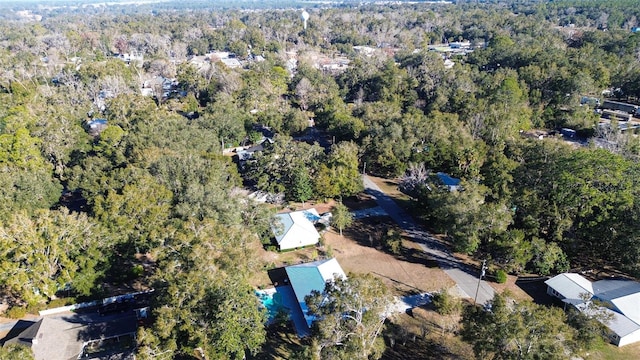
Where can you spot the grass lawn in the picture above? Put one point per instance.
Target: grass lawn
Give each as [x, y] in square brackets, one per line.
[607, 351]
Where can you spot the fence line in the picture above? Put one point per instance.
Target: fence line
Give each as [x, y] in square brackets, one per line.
[83, 305]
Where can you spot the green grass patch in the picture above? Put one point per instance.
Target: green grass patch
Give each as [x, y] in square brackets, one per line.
[606, 351]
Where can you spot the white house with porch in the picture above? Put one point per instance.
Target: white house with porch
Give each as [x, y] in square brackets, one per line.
[620, 299]
[296, 229]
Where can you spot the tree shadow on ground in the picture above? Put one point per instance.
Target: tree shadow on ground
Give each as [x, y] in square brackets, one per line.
[368, 231]
[282, 343]
[402, 344]
[417, 256]
[359, 202]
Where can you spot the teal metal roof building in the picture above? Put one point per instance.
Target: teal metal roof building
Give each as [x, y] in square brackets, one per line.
[305, 278]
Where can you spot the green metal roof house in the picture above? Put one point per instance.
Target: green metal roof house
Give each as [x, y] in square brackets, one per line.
[305, 278]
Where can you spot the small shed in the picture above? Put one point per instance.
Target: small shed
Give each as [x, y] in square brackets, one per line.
[453, 184]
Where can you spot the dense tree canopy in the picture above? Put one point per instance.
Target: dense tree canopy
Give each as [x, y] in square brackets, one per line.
[80, 205]
[517, 331]
[49, 252]
[204, 299]
[351, 315]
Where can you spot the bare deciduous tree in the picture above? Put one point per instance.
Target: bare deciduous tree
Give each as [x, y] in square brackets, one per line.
[415, 176]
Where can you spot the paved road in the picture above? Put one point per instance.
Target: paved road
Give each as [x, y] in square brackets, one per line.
[465, 278]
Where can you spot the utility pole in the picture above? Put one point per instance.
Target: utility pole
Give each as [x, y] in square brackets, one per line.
[482, 272]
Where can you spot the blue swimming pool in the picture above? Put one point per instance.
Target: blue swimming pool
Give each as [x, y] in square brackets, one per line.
[282, 298]
[271, 300]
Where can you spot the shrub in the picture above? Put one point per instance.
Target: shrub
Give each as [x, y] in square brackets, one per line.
[16, 312]
[137, 270]
[267, 239]
[328, 251]
[501, 276]
[282, 316]
[445, 303]
[59, 302]
[35, 307]
[392, 241]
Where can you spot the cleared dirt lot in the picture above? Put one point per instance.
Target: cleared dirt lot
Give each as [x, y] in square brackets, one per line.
[409, 273]
[390, 187]
[358, 251]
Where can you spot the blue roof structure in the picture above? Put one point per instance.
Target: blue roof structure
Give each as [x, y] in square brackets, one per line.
[448, 180]
[305, 278]
[98, 122]
[95, 126]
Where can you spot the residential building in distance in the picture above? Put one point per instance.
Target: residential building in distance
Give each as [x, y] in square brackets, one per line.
[451, 183]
